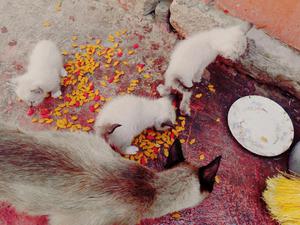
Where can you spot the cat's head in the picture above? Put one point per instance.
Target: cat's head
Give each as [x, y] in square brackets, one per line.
[166, 115]
[232, 44]
[183, 185]
[29, 91]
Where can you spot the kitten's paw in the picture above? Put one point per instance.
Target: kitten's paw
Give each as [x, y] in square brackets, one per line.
[197, 79]
[56, 94]
[185, 112]
[162, 90]
[131, 150]
[185, 109]
[63, 73]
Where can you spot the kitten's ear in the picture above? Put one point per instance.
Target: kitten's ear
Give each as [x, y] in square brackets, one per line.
[175, 155]
[37, 90]
[207, 175]
[168, 123]
[110, 128]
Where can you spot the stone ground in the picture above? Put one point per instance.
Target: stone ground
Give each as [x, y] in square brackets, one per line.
[237, 197]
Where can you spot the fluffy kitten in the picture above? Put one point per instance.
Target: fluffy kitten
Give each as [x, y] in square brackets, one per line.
[131, 115]
[76, 179]
[42, 76]
[191, 56]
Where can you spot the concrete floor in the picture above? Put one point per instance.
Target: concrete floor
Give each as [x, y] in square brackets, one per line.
[237, 198]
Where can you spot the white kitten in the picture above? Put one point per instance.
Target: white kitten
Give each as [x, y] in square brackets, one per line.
[131, 115]
[43, 74]
[191, 56]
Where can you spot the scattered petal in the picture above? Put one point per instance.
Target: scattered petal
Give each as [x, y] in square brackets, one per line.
[30, 111]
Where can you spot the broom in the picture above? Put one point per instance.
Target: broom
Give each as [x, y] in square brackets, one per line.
[282, 196]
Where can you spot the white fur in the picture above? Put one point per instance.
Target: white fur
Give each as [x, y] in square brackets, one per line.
[43, 74]
[134, 114]
[191, 56]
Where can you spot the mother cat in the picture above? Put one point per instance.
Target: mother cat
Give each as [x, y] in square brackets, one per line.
[68, 177]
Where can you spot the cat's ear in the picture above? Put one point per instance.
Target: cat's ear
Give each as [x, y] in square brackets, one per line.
[167, 123]
[175, 155]
[110, 128]
[207, 175]
[37, 91]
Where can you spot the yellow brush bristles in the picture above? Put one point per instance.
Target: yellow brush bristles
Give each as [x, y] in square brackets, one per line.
[282, 196]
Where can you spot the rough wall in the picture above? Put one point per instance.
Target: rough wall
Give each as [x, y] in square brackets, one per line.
[280, 19]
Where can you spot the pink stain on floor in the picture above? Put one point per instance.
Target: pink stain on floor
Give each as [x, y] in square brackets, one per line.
[237, 198]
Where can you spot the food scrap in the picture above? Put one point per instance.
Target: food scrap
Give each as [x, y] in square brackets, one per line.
[176, 215]
[192, 141]
[201, 156]
[211, 88]
[152, 142]
[58, 6]
[46, 23]
[217, 179]
[264, 139]
[198, 95]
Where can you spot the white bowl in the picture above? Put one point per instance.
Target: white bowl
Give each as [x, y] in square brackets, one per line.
[260, 125]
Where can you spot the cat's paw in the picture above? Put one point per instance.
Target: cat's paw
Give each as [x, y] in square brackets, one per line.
[131, 150]
[56, 94]
[197, 79]
[63, 73]
[162, 90]
[185, 109]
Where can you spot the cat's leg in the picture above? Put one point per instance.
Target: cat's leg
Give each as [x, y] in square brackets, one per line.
[185, 103]
[163, 90]
[56, 92]
[197, 77]
[205, 74]
[63, 72]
